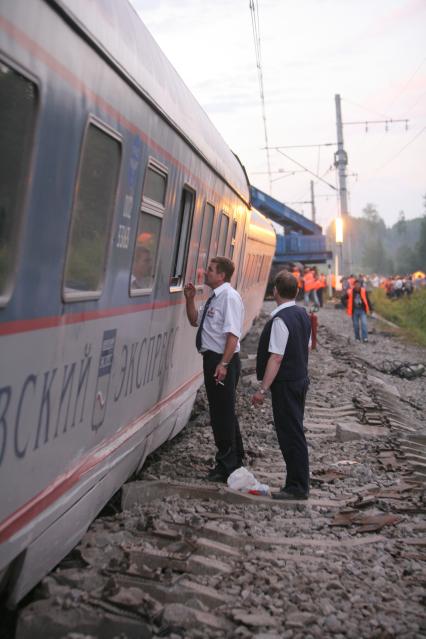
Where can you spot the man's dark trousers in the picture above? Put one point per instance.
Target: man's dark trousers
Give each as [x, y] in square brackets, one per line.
[288, 405]
[226, 429]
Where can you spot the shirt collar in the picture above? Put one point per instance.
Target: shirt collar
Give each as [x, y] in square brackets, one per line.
[217, 291]
[282, 306]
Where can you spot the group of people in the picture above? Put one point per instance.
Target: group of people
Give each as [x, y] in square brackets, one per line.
[282, 369]
[310, 286]
[398, 286]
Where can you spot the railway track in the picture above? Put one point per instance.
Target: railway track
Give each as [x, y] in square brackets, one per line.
[175, 556]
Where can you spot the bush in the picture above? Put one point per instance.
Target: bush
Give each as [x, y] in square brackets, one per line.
[408, 312]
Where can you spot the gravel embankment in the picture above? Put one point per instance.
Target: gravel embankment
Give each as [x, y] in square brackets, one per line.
[189, 559]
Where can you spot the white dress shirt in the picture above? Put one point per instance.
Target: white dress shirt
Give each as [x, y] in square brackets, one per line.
[224, 315]
[279, 331]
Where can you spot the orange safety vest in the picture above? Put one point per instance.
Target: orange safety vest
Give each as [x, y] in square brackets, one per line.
[349, 308]
[309, 282]
[296, 274]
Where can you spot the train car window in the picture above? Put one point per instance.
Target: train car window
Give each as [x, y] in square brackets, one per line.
[149, 230]
[205, 239]
[247, 268]
[242, 261]
[17, 116]
[233, 236]
[182, 241]
[155, 185]
[222, 234]
[92, 214]
[259, 267]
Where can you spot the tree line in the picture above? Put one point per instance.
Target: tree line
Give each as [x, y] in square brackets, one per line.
[377, 248]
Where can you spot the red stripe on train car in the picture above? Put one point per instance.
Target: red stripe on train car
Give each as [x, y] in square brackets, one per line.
[40, 323]
[21, 517]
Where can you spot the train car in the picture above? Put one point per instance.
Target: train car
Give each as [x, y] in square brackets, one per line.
[115, 189]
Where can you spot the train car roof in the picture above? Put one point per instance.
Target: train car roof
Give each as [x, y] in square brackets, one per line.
[261, 227]
[117, 29]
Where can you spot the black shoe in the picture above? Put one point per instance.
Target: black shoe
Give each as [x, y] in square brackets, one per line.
[288, 495]
[217, 474]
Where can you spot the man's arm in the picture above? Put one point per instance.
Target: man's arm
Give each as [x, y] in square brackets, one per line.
[272, 368]
[230, 346]
[191, 312]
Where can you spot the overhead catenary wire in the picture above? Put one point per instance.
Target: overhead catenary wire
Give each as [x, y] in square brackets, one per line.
[400, 151]
[254, 12]
[306, 169]
[391, 104]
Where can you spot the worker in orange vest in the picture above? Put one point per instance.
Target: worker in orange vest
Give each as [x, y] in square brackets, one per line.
[309, 287]
[358, 306]
[321, 283]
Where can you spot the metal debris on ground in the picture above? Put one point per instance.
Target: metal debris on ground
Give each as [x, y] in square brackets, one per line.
[402, 369]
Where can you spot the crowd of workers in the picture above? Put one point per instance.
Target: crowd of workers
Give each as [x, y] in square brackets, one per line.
[312, 284]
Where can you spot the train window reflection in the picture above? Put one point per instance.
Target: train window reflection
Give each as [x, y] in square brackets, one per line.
[145, 256]
[149, 229]
[17, 111]
[94, 203]
[205, 238]
[182, 244]
[155, 185]
[222, 234]
[233, 236]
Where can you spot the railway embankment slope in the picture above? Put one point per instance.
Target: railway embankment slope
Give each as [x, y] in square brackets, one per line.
[184, 558]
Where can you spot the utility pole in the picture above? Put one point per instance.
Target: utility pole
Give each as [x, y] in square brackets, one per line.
[341, 162]
[313, 202]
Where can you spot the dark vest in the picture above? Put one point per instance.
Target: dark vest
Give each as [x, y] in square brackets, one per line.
[294, 365]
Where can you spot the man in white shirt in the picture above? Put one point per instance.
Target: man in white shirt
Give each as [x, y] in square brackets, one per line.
[220, 322]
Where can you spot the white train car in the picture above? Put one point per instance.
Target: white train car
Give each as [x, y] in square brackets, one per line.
[115, 189]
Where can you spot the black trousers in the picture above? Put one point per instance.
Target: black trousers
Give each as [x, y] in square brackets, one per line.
[226, 429]
[288, 405]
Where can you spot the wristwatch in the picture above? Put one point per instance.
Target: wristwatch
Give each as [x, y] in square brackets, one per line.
[225, 364]
[262, 391]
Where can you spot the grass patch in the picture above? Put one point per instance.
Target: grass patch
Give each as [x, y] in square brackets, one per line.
[408, 312]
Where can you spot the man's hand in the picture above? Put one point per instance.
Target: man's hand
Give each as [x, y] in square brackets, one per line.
[220, 373]
[189, 291]
[258, 398]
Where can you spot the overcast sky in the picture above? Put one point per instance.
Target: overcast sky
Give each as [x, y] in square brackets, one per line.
[371, 52]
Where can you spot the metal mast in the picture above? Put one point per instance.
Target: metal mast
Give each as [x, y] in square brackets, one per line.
[341, 162]
[313, 202]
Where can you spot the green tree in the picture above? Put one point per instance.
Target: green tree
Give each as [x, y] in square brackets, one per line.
[371, 214]
[406, 259]
[374, 256]
[421, 245]
[401, 225]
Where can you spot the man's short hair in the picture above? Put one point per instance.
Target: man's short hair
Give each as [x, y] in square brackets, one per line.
[286, 285]
[224, 265]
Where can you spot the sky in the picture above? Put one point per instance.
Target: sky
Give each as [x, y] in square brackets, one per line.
[370, 52]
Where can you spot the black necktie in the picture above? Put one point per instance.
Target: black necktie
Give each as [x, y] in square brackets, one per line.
[200, 328]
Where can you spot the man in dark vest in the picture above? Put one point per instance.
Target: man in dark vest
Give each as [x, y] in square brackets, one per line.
[282, 367]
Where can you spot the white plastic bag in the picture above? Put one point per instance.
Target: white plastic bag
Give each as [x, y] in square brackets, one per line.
[245, 482]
